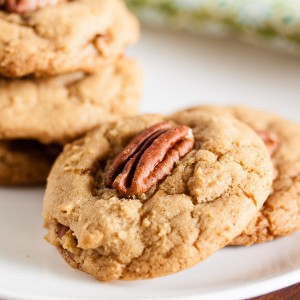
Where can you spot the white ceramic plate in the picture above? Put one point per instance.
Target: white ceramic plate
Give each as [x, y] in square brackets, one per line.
[179, 71]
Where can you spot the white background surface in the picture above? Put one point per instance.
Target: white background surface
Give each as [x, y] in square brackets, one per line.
[180, 71]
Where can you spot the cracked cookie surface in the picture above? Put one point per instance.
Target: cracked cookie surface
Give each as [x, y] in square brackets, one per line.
[207, 199]
[26, 162]
[79, 35]
[280, 215]
[59, 109]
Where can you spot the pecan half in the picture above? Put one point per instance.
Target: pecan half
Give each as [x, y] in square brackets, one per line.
[270, 139]
[24, 6]
[149, 158]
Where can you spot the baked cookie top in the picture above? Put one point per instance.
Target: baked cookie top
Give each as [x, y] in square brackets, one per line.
[79, 35]
[25, 162]
[59, 109]
[280, 214]
[217, 175]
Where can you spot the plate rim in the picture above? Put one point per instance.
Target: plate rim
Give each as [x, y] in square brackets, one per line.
[237, 291]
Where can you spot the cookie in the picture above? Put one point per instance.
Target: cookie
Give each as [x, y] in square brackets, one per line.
[25, 162]
[79, 35]
[280, 215]
[59, 109]
[148, 196]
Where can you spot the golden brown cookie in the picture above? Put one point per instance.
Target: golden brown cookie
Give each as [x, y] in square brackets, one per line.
[280, 215]
[79, 35]
[59, 109]
[26, 162]
[150, 195]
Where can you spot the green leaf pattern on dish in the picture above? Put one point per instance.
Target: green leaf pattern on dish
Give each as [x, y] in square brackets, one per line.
[273, 23]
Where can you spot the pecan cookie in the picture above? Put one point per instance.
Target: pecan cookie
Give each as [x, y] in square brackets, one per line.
[280, 214]
[78, 35]
[25, 162]
[150, 195]
[59, 109]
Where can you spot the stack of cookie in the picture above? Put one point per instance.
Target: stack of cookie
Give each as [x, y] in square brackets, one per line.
[152, 195]
[63, 72]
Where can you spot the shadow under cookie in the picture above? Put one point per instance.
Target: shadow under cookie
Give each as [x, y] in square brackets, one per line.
[26, 162]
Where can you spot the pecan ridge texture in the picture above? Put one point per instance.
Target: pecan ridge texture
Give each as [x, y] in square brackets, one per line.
[149, 158]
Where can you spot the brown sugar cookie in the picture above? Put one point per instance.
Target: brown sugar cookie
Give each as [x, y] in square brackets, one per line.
[26, 162]
[150, 195]
[78, 35]
[280, 215]
[59, 109]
